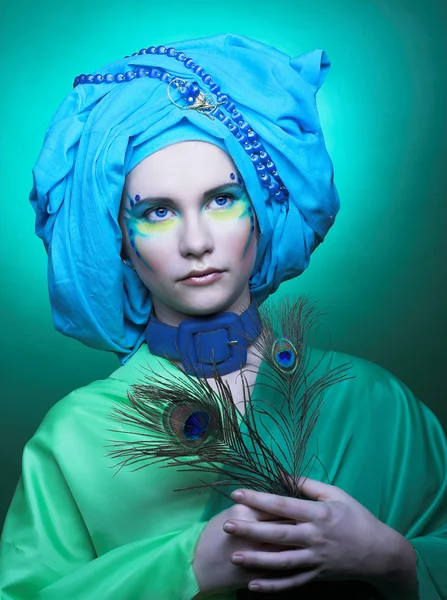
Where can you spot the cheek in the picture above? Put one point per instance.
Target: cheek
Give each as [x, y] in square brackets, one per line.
[150, 241]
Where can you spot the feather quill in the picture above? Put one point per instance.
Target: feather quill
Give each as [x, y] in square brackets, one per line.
[183, 422]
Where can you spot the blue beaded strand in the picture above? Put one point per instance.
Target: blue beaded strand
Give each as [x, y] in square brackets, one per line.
[233, 120]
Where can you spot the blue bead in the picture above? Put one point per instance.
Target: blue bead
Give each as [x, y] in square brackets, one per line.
[119, 77]
[151, 50]
[260, 168]
[270, 166]
[134, 53]
[76, 81]
[219, 114]
[199, 70]
[132, 243]
[154, 73]
[189, 63]
[252, 135]
[161, 50]
[183, 89]
[215, 89]
[245, 127]
[194, 87]
[241, 138]
[129, 75]
[190, 100]
[279, 196]
[230, 106]
[130, 231]
[171, 52]
[131, 204]
[236, 115]
[98, 79]
[141, 72]
[232, 127]
[255, 158]
[232, 176]
[273, 186]
[89, 78]
[181, 56]
[258, 146]
[248, 148]
[207, 79]
[226, 120]
[264, 156]
[166, 78]
[137, 198]
[142, 51]
[222, 97]
[108, 78]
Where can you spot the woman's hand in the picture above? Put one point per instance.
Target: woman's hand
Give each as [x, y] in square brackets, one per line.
[212, 563]
[333, 537]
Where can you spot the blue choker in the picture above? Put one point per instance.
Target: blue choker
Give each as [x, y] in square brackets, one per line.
[205, 345]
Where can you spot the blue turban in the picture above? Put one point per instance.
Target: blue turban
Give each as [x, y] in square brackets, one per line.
[101, 131]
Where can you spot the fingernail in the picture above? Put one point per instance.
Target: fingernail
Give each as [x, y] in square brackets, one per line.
[229, 527]
[237, 495]
[254, 587]
[238, 559]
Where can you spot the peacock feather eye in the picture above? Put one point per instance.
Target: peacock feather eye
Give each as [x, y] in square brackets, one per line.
[191, 424]
[196, 425]
[284, 354]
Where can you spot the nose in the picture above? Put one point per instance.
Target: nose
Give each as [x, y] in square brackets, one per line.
[195, 237]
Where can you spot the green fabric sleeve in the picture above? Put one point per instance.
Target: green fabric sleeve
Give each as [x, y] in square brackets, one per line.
[47, 551]
[428, 535]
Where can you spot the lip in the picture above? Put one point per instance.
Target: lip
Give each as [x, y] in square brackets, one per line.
[203, 277]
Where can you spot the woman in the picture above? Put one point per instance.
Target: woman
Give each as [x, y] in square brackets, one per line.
[199, 172]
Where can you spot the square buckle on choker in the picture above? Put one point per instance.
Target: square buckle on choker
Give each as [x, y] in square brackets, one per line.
[210, 342]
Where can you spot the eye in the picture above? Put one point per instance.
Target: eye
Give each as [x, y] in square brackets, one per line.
[161, 213]
[224, 201]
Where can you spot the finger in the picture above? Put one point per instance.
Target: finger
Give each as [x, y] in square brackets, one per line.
[282, 583]
[286, 560]
[317, 490]
[287, 535]
[290, 508]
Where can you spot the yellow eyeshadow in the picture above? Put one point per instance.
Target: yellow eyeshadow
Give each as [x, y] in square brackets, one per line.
[148, 228]
[236, 211]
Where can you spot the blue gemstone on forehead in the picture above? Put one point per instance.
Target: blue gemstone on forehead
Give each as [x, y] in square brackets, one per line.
[131, 202]
[232, 176]
[250, 209]
[137, 198]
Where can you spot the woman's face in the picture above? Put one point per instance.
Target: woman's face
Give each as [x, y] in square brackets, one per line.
[190, 231]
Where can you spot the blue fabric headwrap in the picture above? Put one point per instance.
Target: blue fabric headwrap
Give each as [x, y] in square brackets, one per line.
[101, 131]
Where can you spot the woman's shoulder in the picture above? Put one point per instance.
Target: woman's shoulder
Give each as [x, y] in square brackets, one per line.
[92, 405]
[369, 389]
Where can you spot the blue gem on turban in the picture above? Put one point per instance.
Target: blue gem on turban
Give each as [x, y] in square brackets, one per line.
[115, 118]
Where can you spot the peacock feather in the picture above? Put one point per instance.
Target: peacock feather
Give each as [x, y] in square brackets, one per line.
[184, 422]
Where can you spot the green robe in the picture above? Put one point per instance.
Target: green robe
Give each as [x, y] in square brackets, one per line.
[77, 530]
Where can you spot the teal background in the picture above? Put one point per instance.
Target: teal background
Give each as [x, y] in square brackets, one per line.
[380, 276]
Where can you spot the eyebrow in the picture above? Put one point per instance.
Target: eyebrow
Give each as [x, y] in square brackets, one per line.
[226, 187]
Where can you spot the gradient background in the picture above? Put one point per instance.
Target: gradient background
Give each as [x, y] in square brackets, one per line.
[380, 276]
